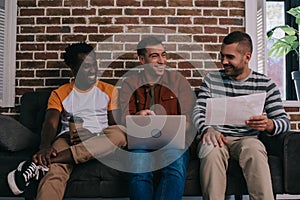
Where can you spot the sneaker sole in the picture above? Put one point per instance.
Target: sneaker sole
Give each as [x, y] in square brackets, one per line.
[12, 184]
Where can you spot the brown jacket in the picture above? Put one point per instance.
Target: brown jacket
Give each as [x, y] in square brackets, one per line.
[173, 94]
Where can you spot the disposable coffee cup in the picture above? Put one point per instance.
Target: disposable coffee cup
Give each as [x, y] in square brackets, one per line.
[75, 123]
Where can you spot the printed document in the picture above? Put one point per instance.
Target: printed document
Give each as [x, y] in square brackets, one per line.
[234, 110]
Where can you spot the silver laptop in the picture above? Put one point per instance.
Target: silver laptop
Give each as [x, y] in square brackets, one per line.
[155, 131]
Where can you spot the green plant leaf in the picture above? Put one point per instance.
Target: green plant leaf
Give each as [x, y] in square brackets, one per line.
[289, 42]
[270, 33]
[296, 13]
[289, 30]
[277, 50]
[286, 29]
[283, 46]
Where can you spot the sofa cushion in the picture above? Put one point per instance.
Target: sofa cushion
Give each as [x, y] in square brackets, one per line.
[32, 110]
[14, 136]
[94, 179]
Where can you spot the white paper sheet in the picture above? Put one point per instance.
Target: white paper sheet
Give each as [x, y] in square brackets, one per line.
[234, 110]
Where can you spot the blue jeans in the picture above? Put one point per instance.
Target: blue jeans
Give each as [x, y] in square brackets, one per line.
[172, 176]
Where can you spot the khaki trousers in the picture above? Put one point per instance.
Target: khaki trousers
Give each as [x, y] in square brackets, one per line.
[252, 157]
[53, 184]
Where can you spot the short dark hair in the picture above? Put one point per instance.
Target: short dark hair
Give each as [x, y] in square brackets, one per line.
[239, 37]
[71, 53]
[141, 47]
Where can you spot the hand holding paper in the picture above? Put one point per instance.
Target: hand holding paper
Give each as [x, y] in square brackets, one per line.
[234, 110]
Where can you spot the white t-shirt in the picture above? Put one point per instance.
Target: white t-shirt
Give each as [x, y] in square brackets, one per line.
[91, 105]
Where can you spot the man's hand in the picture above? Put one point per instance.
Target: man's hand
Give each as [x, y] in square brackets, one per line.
[43, 156]
[211, 136]
[80, 135]
[145, 112]
[261, 123]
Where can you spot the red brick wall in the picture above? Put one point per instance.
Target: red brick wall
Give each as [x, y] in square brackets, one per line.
[192, 31]
[294, 113]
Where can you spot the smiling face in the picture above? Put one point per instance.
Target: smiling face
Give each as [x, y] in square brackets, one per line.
[155, 60]
[86, 76]
[235, 60]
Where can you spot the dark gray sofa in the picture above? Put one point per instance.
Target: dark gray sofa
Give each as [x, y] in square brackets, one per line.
[93, 179]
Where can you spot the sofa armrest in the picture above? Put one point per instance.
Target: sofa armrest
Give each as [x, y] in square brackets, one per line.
[274, 144]
[292, 163]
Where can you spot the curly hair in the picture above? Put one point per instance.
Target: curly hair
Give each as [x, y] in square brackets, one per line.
[71, 53]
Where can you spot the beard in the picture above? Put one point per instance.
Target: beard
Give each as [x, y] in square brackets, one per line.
[233, 71]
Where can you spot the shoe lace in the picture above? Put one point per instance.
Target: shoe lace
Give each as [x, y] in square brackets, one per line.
[29, 172]
[42, 170]
[33, 170]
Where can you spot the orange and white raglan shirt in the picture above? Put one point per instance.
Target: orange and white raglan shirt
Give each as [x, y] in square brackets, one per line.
[91, 105]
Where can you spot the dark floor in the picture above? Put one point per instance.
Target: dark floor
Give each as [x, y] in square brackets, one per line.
[279, 197]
